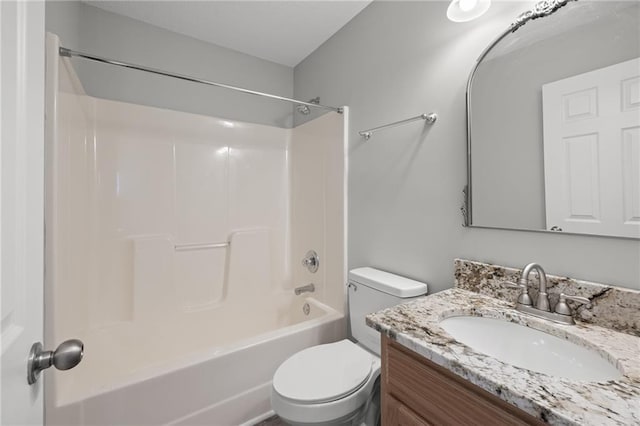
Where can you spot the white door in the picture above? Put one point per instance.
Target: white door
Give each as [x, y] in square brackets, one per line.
[21, 205]
[592, 151]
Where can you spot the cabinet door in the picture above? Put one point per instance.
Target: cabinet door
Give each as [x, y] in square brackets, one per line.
[396, 413]
[430, 394]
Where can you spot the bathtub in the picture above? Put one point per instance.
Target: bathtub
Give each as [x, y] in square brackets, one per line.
[174, 374]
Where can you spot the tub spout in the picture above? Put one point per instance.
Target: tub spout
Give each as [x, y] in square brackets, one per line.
[309, 288]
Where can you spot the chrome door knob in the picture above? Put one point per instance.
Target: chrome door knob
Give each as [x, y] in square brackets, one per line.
[66, 356]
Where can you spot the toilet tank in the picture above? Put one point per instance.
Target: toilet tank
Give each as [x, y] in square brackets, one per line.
[372, 290]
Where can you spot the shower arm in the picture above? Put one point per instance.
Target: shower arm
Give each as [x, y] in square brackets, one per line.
[73, 53]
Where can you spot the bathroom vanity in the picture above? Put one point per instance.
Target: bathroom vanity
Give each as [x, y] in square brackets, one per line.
[415, 389]
[429, 377]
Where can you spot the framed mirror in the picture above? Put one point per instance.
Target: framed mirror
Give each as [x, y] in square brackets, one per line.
[553, 115]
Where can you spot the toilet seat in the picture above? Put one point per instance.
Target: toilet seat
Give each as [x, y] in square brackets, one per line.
[323, 373]
[295, 400]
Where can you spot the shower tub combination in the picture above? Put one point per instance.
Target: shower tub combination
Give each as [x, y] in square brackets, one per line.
[174, 243]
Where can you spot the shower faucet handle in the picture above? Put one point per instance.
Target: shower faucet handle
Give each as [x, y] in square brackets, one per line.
[311, 261]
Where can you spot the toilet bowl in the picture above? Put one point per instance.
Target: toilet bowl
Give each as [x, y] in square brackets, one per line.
[327, 384]
[337, 383]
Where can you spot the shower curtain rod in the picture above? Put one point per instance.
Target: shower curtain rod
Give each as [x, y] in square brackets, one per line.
[72, 53]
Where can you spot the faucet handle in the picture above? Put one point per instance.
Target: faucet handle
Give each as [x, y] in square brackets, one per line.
[563, 309]
[311, 261]
[523, 298]
[511, 284]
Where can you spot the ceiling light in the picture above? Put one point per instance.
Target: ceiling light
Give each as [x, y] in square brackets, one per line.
[466, 10]
[467, 5]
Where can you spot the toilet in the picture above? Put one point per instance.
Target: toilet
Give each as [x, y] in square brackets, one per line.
[337, 383]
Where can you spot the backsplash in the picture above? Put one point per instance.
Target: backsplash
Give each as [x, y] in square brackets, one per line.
[612, 307]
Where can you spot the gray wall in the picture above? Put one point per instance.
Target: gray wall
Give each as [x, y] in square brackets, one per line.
[396, 60]
[87, 28]
[508, 172]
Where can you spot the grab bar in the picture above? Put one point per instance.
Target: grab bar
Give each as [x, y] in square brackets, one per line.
[201, 246]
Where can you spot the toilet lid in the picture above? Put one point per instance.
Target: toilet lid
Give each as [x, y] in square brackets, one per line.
[323, 373]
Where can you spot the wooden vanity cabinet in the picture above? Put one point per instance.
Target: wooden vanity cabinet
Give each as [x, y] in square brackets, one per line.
[416, 392]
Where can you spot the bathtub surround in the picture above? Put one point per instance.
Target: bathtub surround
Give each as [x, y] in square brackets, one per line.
[131, 193]
[396, 60]
[144, 182]
[611, 307]
[553, 400]
[318, 166]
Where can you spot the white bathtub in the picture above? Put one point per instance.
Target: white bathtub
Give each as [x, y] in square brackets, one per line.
[178, 376]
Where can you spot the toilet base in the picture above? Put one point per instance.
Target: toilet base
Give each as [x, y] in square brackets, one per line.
[367, 415]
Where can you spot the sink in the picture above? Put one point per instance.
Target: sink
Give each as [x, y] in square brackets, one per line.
[530, 349]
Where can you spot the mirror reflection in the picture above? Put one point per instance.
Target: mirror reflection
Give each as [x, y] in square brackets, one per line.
[554, 124]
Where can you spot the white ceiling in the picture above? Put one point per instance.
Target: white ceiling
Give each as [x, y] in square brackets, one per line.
[280, 31]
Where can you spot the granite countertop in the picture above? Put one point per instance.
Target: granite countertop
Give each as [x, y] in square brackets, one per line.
[559, 401]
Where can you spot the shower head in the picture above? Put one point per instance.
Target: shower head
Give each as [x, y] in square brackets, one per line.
[304, 109]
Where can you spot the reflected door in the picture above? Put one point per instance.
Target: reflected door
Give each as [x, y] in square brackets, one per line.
[592, 151]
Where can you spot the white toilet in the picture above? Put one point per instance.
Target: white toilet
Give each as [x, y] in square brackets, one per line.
[337, 383]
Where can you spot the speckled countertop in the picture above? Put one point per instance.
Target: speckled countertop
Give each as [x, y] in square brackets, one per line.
[559, 401]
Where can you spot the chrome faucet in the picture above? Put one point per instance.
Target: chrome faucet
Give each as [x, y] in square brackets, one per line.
[562, 313]
[542, 301]
[309, 288]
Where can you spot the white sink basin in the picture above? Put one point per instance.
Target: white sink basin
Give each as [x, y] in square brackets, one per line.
[530, 349]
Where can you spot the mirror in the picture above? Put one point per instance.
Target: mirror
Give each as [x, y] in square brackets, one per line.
[553, 113]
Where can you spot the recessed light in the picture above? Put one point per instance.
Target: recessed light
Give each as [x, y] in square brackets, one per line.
[467, 10]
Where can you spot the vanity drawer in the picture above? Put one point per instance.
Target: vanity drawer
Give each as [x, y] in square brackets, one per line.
[436, 396]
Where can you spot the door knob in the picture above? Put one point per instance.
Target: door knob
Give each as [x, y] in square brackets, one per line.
[66, 356]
